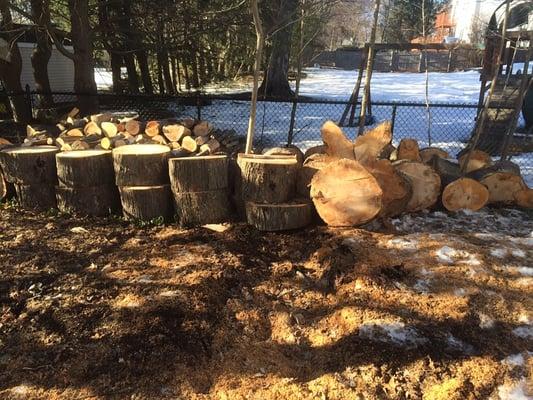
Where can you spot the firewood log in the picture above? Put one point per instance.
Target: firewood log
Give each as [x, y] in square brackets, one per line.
[198, 174]
[372, 144]
[39, 140]
[465, 194]
[75, 132]
[285, 151]
[337, 144]
[314, 150]
[75, 122]
[478, 159]
[397, 190]
[524, 198]
[202, 128]
[98, 201]
[408, 150]
[346, 194]
[92, 128]
[133, 127]
[80, 145]
[38, 196]
[279, 217]
[268, 179]
[425, 182]
[188, 143]
[146, 203]
[152, 128]
[99, 118]
[200, 140]
[88, 168]
[29, 165]
[427, 153]
[200, 208]
[141, 165]
[174, 133]
[158, 139]
[108, 143]
[109, 129]
[310, 167]
[210, 147]
[502, 179]
[448, 170]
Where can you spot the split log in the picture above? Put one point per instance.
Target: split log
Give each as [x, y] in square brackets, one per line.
[314, 150]
[75, 133]
[109, 129]
[99, 118]
[465, 194]
[189, 144]
[36, 196]
[80, 145]
[210, 147]
[372, 144]
[286, 151]
[337, 144]
[427, 153]
[152, 128]
[268, 179]
[279, 217]
[97, 201]
[141, 165]
[310, 167]
[200, 208]
[198, 174]
[346, 194]
[92, 128]
[397, 190]
[28, 165]
[175, 133]
[478, 159]
[158, 139]
[200, 140]
[133, 127]
[188, 122]
[524, 198]
[203, 128]
[502, 179]
[146, 203]
[89, 168]
[424, 181]
[408, 150]
[448, 170]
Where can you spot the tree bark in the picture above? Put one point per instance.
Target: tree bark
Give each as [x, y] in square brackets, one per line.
[43, 51]
[146, 78]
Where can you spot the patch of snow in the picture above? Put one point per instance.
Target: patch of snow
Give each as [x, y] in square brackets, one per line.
[499, 252]
[525, 332]
[395, 332]
[403, 243]
[518, 253]
[446, 254]
[514, 360]
[460, 292]
[449, 255]
[485, 321]
[526, 271]
[515, 392]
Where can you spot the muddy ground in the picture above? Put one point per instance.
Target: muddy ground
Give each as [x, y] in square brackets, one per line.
[433, 306]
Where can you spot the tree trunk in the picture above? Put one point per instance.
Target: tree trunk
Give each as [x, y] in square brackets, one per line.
[98, 201]
[141, 165]
[36, 196]
[146, 78]
[200, 208]
[116, 65]
[198, 174]
[146, 203]
[279, 217]
[133, 79]
[85, 168]
[43, 51]
[30, 165]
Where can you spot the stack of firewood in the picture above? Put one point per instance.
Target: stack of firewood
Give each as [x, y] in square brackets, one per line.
[185, 137]
[351, 183]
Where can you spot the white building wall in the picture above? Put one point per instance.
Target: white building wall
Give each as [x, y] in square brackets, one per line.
[60, 69]
[471, 14]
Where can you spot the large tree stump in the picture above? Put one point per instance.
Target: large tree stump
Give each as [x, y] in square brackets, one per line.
[285, 151]
[346, 194]
[85, 168]
[465, 194]
[427, 153]
[198, 174]
[36, 196]
[267, 179]
[337, 144]
[397, 190]
[29, 165]
[141, 165]
[373, 144]
[279, 217]
[146, 203]
[97, 201]
[425, 183]
[311, 166]
[200, 208]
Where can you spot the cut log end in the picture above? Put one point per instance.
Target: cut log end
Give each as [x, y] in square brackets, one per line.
[425, 182]
[465, 194]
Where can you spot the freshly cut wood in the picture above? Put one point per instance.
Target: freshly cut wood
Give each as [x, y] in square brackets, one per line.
[189, 144]
[80, 145]
[500, 166]
[524, 198]
[210, 147]
[133, 127]
[36, 196]
[95, 201]
[337, 144]
[75, 132]
[279, 217]
[285, 151]
[200, 208]
[346, 194]
[408, 150]
[200, 140]
[427, 153]
[109, 129]
[465, 194]
[202, 128]
[267, 179]
[310, 167]
[478, 159]
[314, 150]
[424, 181]
[92, 128]
[372, 144]
[152, 128]
[99, 118]
[27, 165]
[397, 190]
[146, 203]
[88, 168]
[198, 174]
[159, 139]
[141, 165]
[448, 170]
[175, 132]
[503, 186]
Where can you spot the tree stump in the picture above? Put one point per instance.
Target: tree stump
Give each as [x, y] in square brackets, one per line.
[30, 165]
[311, 166]
[7, 190]
[279, 217]
[97, 201]
[85, 168]
[146, 203]
[200, 208]
[465, 194]
[198, 174]
[268, 179]
[408, 150]
[285, 151]
[426, 154]
[36, 196]
[424, 181]
[141, 165]
[346, 194]
[315, 150]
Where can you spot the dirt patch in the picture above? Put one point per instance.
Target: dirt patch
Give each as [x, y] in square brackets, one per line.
[117, 311]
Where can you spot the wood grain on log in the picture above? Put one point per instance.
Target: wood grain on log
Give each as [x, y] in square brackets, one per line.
[141, 165]
[408, 150]
[152, 128]
[425, 182]
[524, 198]
[285, 151]
[92, 128]
[198, 174]
[314, 150]
[189, 144]
[502, 179]
[337, 144]
[146, 203]
[88, 168]
[98, 201]
[427, 153]
[27, 165]
[478, 159]
[465, 194]
[279, 217]
[175, 132]
[310, 167]
[371, 145]
[109, 129]
[133, 127]
[36, 196]
[200, 208]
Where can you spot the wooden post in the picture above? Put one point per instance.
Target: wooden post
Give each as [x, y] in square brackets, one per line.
[369, 64]
[352, 103]
[257, 66]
